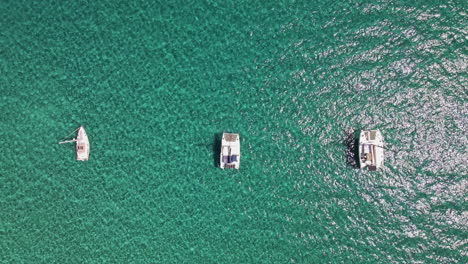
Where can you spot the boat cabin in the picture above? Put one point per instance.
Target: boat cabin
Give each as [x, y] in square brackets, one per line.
[230, 151]
[371, 150]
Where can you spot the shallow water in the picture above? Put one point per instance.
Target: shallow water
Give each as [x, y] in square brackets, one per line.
[156, 83]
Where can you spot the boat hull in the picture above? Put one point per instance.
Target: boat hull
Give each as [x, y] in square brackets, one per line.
[230, 151]
[371, 154]
[82, 145]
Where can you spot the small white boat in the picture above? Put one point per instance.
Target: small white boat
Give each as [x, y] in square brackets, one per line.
[371, 155]
[230, 151]
[82, 144]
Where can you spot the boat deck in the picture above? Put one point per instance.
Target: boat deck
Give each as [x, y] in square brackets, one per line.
[370, 150]
[230, 137]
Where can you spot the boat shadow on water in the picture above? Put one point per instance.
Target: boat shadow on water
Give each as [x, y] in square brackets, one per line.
[351, 141]
[216, 148]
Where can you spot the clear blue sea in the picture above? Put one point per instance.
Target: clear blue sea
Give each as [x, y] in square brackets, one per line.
[155, 83]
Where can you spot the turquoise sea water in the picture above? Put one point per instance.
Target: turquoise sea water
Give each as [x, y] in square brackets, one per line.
[155, 83]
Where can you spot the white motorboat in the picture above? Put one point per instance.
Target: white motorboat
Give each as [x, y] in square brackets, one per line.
[82, 144]
[371, 155]
[230, 151]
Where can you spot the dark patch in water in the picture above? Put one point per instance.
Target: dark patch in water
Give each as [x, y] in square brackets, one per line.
[351, 142]
[216, 148]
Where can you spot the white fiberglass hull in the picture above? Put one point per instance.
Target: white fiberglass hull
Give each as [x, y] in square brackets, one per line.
[371, 154]
[230, 151]
[82, 145]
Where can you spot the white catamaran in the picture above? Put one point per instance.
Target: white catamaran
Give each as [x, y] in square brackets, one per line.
[82, 144]
[230, 151]
[371, 155]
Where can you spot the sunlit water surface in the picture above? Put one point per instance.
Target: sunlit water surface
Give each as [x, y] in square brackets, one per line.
[156, 83]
